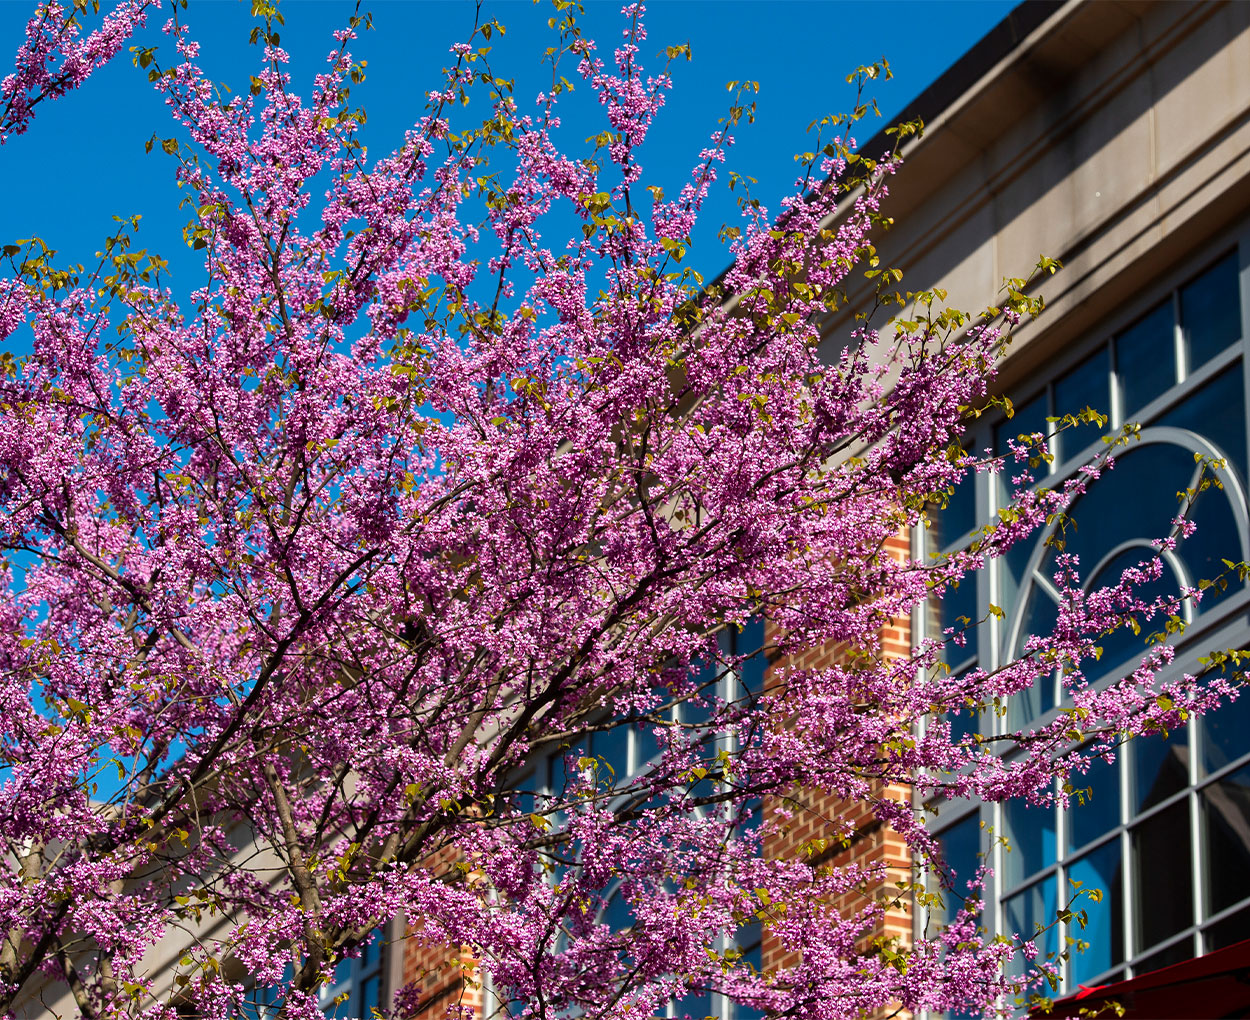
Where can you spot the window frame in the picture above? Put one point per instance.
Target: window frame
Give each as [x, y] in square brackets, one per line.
[1225, 625]
[729, 685]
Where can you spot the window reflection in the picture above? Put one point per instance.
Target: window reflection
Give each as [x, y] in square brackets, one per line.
[612, 746]
[1031, 833]
[616, 912]
[1087, 385]
[1178, 952]
[750, 939]
[1028, 910]
[1211, 311]
[1147, 478]
[1160, 767]
[1100, 812]
[959, 518]
[1217, 413]
[1226, 825]
[1206, 549]
[1039, 618]
[960, 845]
[1011, 574]
[1029, 417]
[1162, 861]
[957, 610]
[1145, 358]
[751, 641]
[1123, 649]
[1229, 930]
[964, 723]
[1224, 734]
[1104, 928]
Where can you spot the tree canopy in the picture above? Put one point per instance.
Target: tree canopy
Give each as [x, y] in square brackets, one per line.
[334, 587]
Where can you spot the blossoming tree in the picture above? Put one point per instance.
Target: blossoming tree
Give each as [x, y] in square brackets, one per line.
[305, 572]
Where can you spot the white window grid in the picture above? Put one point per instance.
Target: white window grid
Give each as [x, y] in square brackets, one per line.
[361, 981]
[1227, 625]
[641, 751]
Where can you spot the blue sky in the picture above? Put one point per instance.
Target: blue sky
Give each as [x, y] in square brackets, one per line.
[83, 159]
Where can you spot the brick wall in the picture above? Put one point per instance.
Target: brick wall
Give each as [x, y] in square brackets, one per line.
[852, 834]
[448, 979]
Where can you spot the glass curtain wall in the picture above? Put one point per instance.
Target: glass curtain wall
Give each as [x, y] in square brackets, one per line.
[1164, 831]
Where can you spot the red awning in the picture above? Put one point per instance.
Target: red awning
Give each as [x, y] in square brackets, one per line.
[1211, 987]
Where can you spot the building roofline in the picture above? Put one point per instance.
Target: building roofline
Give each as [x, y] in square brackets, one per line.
[958, 80]
[955, 85]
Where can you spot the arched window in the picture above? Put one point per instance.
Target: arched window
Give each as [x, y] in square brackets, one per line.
[1172, 811]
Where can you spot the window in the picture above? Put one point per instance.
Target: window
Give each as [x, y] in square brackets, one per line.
[1164, 831]
[628, 749]
[357, 989]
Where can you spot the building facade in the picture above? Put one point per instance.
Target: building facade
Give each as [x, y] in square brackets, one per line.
[1114, 137]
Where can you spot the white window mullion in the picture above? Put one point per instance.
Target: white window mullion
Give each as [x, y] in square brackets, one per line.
[1128, 879]
[1178, 339]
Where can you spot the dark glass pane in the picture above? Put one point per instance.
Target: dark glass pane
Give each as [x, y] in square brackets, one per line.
[1178, 952]
[1031, 833]
[957, 521]
[750, 942]
[750, 641]
[343, 971]
[1234, 928]
[1211, 311]
[1162, 862]
[1087, 385]
[1137, 499]
[528, 787]
[963, 723]
[1104, 927]
[1217, 412]
[707, 676]
[370, 997]
[957, 605]
[1145, 357]
[1160, 767]
[752, 814]
[1226, 733]
[1100, 812]
[616, 913]
[612, 745]
[1040, 615]
[1122, 649]
[1025, 911]
[1026, 706]
[1029, 417]
[646, 744]
[1012, 568]
[960, 844]
[1216, 540]
[696, 1005]
[1226, 824]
